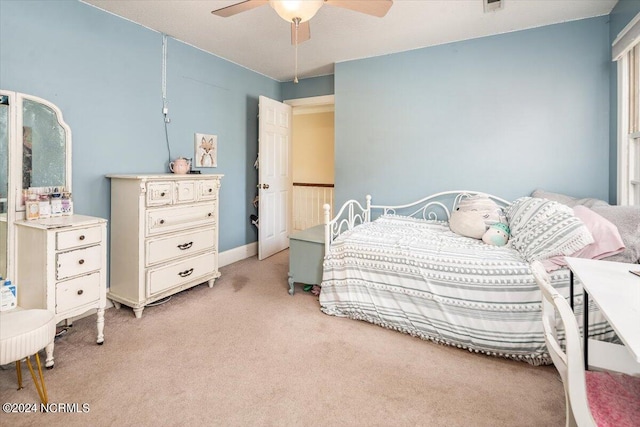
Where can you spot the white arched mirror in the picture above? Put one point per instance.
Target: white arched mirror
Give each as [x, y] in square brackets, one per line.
[35, 151]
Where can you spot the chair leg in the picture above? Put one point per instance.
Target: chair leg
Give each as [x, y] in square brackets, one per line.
[19, 372]
[42, 391]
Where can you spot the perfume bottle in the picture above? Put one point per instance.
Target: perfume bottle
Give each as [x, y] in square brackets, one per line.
[44, 206]
[32, 206]
[67, 204]
[56, 204]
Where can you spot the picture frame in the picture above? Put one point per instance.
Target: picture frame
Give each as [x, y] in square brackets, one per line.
[206, 151]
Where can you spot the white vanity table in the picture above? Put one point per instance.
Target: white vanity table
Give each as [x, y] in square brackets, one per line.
[58, 263]
[62, 266]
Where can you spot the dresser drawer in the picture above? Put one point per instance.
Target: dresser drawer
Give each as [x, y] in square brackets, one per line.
[80, 261]
[78, 237]
[180, 217]
[159, 193]
[209, 190]
[184, 244]
[185, 191]
[77, 292]
[172, 275]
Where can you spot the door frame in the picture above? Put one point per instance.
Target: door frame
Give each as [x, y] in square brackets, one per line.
[314, 104]
[321, 103]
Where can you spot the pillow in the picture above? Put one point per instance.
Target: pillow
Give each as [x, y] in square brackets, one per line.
[568, 200]
[473, 215]
[627, 220]
[607, 239]
[541, 229]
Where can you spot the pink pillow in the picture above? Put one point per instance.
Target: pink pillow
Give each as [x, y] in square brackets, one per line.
[606, 239]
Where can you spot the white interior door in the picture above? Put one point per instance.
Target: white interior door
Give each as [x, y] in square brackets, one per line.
[274, 176]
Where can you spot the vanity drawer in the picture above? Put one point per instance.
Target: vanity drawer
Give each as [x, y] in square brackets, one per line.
[78, 237]
[172, 275]
[77, 262]
[77, 292]
[180, 217]
[159, 193]
[165, 249]
[208, 190]
[185, 191]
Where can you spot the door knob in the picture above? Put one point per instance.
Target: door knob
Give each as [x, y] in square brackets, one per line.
[265, 186]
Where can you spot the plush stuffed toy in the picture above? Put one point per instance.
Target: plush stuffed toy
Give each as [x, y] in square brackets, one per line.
[468, 223]
[473, 216]
[497, 234]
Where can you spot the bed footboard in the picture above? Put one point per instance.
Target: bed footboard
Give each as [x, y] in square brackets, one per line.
[350, 214]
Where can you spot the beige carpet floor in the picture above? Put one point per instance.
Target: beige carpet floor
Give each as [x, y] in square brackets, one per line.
[246, 353]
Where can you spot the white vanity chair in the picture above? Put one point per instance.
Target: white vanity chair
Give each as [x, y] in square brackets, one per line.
[24, 333]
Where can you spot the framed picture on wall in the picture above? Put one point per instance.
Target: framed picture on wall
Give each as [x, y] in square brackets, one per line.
[206, 148]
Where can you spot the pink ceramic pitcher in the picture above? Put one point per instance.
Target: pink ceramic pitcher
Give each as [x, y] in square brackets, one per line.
[180, 166]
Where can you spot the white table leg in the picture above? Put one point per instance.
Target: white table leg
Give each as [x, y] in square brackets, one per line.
[49, 360]
[100, 325]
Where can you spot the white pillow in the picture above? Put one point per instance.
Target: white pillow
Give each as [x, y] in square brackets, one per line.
[541, 229]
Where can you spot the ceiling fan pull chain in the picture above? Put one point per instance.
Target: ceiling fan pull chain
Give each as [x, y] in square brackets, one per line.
[297, 22]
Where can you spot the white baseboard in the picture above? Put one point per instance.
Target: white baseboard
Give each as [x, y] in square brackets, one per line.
[237, 254]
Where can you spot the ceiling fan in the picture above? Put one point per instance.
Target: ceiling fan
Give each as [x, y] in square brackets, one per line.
[298, 12]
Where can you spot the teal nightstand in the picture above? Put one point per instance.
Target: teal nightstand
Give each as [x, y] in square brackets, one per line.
[306, 254]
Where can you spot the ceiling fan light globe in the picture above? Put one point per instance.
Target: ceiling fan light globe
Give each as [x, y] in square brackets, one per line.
[290, 9]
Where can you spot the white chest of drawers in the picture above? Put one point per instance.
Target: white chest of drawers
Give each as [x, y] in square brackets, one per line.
[164, 236]
[61, 267]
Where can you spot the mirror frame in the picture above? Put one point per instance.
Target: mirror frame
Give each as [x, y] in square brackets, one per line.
[11, 212]
[20, 97]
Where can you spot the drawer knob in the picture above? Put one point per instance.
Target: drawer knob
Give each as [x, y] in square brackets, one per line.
[162, 221]
[81, 262]
[186, 272]
[184, 246]
[81, 237]
[211, 190]
[209, 214]
[80, 292]
[162, 194]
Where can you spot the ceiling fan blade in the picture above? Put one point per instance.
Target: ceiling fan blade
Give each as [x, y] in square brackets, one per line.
[304, 32]
[377, 8]
[243, 6]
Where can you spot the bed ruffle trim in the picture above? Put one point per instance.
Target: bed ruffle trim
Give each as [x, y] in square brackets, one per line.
[532, 359]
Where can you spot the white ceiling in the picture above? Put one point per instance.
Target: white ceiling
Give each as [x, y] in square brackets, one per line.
[260, 40]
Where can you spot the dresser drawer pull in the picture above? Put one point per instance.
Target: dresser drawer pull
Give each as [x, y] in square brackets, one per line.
[162, 221]
[184, 246]
[162, 194]
[80, 292]
[210, 214]
[81, 237]
[211, 190]
[186, 272]
[81, 262]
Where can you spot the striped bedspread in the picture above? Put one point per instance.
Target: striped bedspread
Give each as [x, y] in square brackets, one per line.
[418, 277]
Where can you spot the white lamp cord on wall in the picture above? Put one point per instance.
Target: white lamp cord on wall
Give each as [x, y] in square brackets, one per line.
[165, 107]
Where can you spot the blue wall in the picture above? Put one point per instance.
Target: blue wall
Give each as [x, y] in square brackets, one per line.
[504, 114]
[316, 86]
[620, 16]
[105, 74]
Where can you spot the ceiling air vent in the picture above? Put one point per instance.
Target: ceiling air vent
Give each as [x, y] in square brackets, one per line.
[492, 5]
